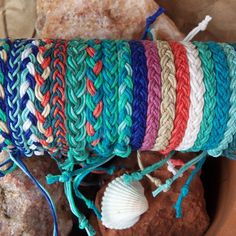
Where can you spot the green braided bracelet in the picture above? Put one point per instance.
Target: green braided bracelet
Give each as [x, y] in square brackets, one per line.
[125, 94]
[110, 100]
[75, 91]
[94, 95]
[209, 96]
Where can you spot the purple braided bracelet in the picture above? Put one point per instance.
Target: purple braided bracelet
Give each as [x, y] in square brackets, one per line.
[154, 94]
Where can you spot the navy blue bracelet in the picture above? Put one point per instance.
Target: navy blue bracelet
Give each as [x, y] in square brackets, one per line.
[12, 97]
[140, 101]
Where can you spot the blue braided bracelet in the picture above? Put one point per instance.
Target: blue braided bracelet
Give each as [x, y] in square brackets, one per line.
[140, 81]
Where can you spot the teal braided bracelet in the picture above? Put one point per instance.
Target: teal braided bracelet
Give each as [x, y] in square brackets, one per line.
[94, 95]
[222, 96]
[231, 124]
[75, 92]
[110, 101]
[209, 96]
[125, 99]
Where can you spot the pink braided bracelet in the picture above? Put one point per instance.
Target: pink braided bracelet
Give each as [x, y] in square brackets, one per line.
[154, 94]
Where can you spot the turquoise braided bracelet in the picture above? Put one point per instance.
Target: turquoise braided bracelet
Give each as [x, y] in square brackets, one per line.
[231, 124]
[125, 99]
[110, 101]
[209, 96]
[94, 95]
[75, 92]
[222, 95]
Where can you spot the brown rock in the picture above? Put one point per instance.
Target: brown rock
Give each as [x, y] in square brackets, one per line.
[23, 209]
[160, 218]
[100, 19]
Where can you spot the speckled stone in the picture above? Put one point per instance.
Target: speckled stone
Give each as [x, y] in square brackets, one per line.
[23, 209]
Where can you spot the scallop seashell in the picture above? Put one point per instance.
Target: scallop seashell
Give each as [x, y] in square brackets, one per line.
[123, 204]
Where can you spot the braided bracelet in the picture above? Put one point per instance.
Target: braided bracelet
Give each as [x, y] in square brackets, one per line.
[182, 96]
[12, 96]
[140, 88]
[27, 96]
[196, 98]
[110, 93]
[57, 99]
[75, 92]
[168, 92]
[94, 96]
[125, 99]
[222, 96]
[207, 63]
[5, 138]
[231, 123]
[42, 94]
[154, 94]
[231, 151]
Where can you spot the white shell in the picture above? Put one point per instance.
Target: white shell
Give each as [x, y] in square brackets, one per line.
[123, 204]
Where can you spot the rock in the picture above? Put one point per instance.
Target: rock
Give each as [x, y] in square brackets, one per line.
[23, 209]
[114, 19]
[160, 218]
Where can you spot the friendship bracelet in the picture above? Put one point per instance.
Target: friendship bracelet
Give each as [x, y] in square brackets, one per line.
[231, 151]
[110, 93]
[42, 94]
[207, 63]
[75, 94]
[140, 82]
[12, 96]
[222, 95]
[196, 98]
[57, 99]
[168, 92]
[231, 124]
[5, 138]
[182, 96]
[154, 94]
[125, 98]
[27, 96]
[94, 96]
[92, 100]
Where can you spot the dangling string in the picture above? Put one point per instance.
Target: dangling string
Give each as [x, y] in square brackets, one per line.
[185, 188]
[154, 180]
[66, 177]
[138, 175]
[201, 27]
[150, 20]
[166, 186]
[22, 166]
